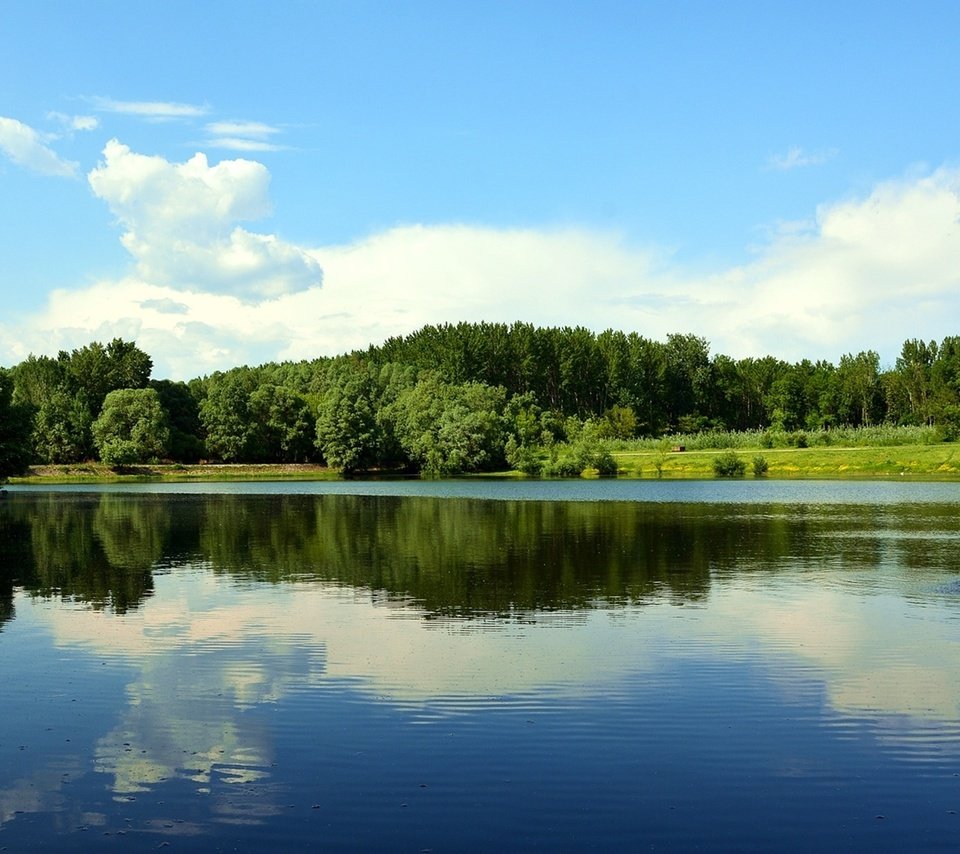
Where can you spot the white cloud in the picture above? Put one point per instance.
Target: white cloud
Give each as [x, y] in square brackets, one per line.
[26, 147]
[242, 136]
[181, 223]
[75, 123]
[233, 143]
[158, 110]
[795, 157]
[868, 273]
[873, 272]
[257, 130]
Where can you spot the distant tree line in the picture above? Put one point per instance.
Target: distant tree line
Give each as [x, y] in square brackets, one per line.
[454, 398]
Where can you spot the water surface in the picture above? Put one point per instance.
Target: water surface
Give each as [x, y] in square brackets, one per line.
[463, 666]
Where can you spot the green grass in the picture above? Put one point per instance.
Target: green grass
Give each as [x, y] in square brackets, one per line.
[846, 437]
[99, 473]
[643, 459]
[940, 461]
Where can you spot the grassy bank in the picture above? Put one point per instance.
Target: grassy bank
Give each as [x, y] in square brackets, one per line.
[93, 472]
[940, 461]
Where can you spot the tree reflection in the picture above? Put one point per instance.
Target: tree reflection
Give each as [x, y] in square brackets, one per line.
[449, 557]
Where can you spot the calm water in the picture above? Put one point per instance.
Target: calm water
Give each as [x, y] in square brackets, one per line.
[481, 666]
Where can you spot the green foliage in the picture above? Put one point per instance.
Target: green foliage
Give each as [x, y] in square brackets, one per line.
[760, 466]
[61, 429]
[183, 417]
[132, 427]
[604, 463]
[14, 430]
[585, 454]
[415, 407]
[949, 424]
[619, 422]
[349, 434]
[729, 465]
[231, 431]
[94, 371]
[286, 426]
[523, 458]
[447, 428]
[859, 392]
[880, 434]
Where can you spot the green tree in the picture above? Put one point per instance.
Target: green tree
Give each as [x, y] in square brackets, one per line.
[131, 428]
[858, 386]
[61, 429]
[447, 428]
[14, 430]
[913, 375]
[231, 432]
[96, 370]
[286, 424]
[349, 434]
[183, 416]
[945, 388]
[688, 380]
[618, 422]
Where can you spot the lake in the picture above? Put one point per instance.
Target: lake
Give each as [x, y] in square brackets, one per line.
[480, 666]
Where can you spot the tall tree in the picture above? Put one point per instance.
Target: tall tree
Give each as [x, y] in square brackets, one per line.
[231, 432]
[131, 428]
[14, 430]
[859, 388]
[349, 434]
[914, 373]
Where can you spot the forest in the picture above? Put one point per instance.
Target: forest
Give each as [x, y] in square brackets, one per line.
[456, 398]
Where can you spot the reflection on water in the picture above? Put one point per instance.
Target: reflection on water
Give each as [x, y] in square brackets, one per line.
[397, 671]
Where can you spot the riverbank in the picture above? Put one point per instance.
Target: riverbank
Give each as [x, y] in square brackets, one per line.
[932, 461]
[939, 461]
[95, 472]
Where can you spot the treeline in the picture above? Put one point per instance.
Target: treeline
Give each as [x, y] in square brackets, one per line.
[454, 398]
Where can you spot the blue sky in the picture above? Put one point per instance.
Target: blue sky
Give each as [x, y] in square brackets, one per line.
[235, 183]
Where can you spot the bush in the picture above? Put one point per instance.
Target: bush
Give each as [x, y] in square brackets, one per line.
[729, 465]
[573, 460]
[760, 466]
[604, 463]
[565, 465]
[523, 458]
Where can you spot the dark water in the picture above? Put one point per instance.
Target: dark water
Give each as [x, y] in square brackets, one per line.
[457, 667]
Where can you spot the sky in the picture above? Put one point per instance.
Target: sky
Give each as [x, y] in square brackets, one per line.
[236, 183]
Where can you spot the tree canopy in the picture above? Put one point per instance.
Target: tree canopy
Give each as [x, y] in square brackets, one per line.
[455, 397]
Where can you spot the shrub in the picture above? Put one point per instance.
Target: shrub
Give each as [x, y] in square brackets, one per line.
[523, 458]
[729, 464]
[565, 465]
[604, 463]
[760, 466]
[573, 460]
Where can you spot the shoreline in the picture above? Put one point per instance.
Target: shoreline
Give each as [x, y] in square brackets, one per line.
[926, 462]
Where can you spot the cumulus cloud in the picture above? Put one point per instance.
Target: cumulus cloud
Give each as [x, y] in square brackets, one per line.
[870, 273]
[27, 148]
[867, 273]
[180, 222]
[795, 158]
